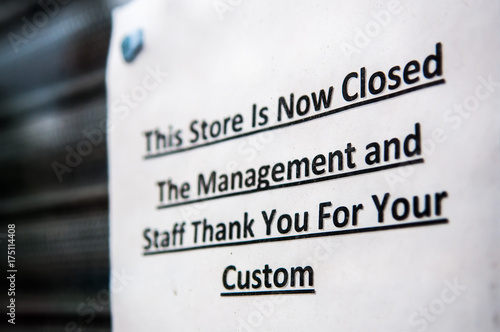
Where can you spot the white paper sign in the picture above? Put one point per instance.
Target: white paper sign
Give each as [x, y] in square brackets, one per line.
[304, 165]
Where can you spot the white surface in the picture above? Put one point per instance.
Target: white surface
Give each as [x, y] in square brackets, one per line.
[221, 63]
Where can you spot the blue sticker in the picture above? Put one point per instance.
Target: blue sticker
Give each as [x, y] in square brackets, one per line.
[132, 45]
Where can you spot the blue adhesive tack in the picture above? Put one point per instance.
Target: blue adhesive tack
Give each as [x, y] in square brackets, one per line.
[132, 45]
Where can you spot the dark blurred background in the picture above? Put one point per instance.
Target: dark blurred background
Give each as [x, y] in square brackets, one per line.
[52, 88]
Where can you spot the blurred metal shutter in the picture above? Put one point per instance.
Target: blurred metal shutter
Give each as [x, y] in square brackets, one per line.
[51, 90]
